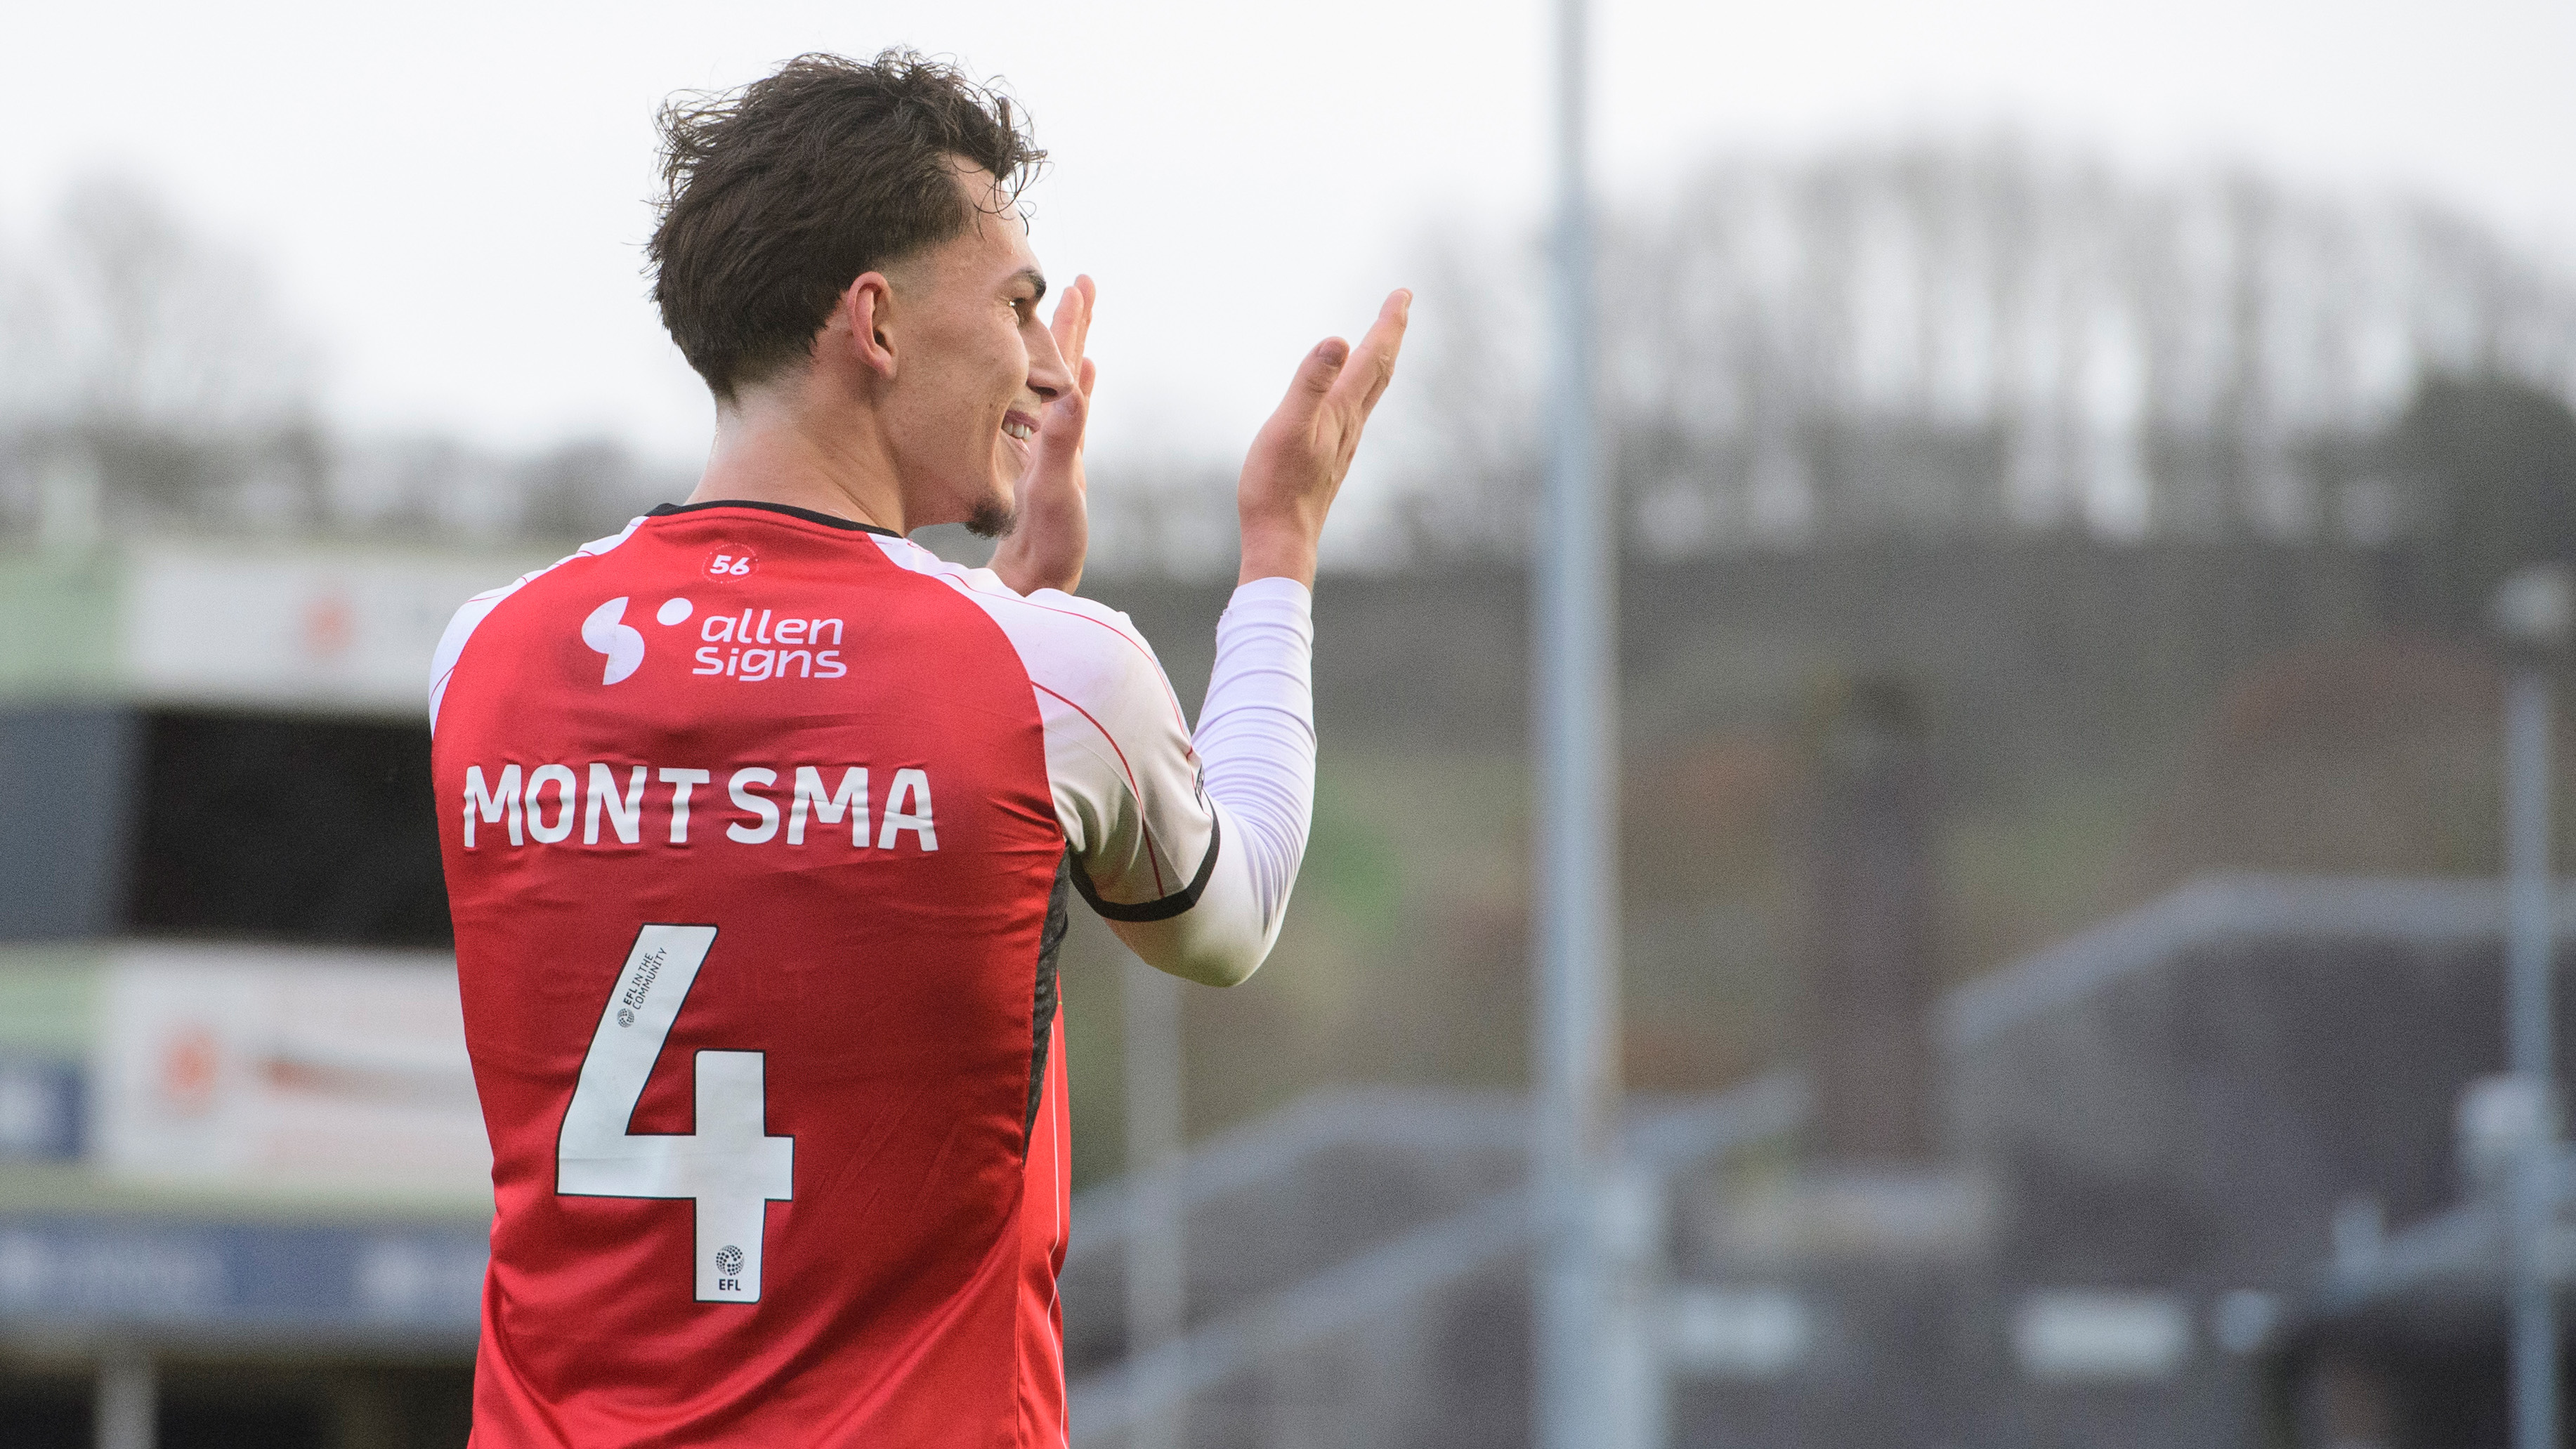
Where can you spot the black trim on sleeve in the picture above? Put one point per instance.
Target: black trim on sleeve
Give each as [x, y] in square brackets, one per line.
[1164, 909]
[790, 509]
[1042, 1013]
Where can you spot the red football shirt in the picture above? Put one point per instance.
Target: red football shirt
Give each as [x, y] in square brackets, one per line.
[759, 830]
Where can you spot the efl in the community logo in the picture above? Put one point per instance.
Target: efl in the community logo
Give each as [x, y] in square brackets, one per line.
[607, 632]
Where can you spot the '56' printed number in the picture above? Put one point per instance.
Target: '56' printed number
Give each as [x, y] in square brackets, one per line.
[731, 1168]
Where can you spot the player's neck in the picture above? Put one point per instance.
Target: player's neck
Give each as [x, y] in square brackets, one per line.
[774, 448]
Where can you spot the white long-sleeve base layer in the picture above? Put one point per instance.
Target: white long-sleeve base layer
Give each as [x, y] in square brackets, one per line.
[1256, 746]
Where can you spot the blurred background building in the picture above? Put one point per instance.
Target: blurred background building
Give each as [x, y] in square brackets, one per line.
[2060, 825]
[244, 1185]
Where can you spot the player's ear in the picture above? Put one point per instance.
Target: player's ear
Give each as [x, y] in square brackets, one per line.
[866, 311]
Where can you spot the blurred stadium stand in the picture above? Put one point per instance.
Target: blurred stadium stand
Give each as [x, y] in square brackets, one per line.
[242, 1178]
[2153, 1137]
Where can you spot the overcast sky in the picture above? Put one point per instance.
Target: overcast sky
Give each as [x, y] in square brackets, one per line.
[453, 197]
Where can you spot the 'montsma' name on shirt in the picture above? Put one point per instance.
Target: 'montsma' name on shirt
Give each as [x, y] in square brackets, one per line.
[546, 803]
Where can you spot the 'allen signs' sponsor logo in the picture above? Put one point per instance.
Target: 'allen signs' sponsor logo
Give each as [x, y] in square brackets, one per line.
[759, 645]
[762, 645]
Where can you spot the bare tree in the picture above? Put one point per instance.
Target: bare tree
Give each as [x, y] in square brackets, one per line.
[1989, 335]
[156, 363]
[163, 329]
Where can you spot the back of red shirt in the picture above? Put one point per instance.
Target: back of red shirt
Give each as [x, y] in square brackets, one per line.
[757, 882]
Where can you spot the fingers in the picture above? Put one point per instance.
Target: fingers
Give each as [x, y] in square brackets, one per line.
[1065, 418]
[1338, 375]
[1072, 317]
[1373, 363]
[1062, 425]
[1072, 321]
[1314, 381]
[1316, 374]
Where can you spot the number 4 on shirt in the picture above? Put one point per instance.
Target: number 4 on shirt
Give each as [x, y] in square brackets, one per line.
[730, 1167]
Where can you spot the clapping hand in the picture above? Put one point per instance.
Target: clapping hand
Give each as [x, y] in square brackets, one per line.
[1301, 455]
[1045, 550]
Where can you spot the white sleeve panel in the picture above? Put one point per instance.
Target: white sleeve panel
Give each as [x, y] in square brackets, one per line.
[1191, 869]
[1119, 760]
[451, 644]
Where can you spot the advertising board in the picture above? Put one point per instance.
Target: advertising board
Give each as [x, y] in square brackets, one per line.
[281, 1072]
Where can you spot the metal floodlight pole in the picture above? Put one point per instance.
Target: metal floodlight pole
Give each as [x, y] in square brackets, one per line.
[1575, 955]
[2535, 610]
[1157, 1227]
[127, 1411]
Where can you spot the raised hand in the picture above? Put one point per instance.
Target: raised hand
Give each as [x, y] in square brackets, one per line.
[1046, 549]
[1301, 455]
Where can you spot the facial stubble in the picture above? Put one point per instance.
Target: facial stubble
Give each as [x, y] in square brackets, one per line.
[992, 519]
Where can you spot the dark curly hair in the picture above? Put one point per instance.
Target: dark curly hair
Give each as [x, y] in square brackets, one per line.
[776, 196]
